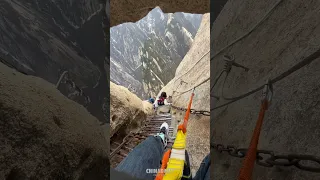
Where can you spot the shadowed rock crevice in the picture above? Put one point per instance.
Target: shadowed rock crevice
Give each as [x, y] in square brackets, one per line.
[131, 11]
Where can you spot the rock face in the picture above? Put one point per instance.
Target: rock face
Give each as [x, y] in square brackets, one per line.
[161, 55]
[144, 55]
[45, 38]
[45, 135]
[193, 70]
[215, 9]
[131, 11]
[128, 112]
[290, 33]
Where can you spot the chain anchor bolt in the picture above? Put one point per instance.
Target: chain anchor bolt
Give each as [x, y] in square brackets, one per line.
[267, 93]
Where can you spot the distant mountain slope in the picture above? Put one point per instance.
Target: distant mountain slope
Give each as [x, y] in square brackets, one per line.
[45, 38]
[167, 37]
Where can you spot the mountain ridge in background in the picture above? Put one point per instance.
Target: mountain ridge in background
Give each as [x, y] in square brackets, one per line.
[46, 38]
[144, 55]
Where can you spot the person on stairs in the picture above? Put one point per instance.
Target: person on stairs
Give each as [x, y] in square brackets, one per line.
[162, 100]
[145, 159]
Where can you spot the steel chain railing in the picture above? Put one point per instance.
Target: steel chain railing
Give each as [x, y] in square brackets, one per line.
[268, 158]
[193, 111]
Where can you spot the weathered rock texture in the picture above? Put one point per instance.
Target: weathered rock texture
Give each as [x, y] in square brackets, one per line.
[193, 70]
[291, 125]
[44, 38]
[131, 11]
[147, 107]
[127, 111]
[44, 135]
[215, 9]
[144, 55]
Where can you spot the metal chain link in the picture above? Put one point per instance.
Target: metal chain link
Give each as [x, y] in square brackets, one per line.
[269, 159]
[193, 111]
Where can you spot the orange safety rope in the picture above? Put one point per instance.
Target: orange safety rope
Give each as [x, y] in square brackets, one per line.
[248, 163]
[164, 163]
[183, 126]
[166, 155]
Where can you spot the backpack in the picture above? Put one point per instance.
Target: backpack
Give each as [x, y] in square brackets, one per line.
[161, 101]
[151, 100]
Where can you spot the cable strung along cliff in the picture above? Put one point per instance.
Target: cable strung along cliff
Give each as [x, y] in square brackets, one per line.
[194, 72]
[277, 40]
[47, 38]
[53, 90]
